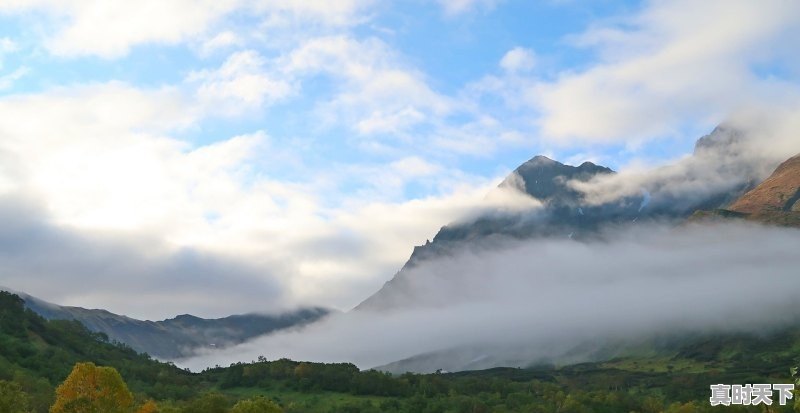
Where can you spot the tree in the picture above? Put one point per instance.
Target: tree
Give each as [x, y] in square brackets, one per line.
[12, 399]
[258, 404]
[148, 407]
[208, 403]
[92, 389]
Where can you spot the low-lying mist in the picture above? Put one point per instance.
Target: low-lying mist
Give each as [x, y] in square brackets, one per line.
[558, 300]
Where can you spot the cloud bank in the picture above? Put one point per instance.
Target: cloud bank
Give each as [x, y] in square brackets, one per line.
[736, 156]
[514, 303]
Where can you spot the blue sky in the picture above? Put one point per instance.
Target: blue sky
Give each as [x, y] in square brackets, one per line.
[316, 142]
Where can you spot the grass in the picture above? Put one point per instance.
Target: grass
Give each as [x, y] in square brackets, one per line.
[658, 365]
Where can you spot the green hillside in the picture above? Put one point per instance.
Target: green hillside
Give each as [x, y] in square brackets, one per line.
[39, 354]
[36, 355]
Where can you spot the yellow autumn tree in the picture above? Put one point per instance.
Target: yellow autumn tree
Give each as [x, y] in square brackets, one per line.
[92, 389]
[148, 407]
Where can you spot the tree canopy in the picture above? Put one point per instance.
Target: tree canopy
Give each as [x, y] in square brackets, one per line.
[92, 389]
[12, 398]
[258, 404]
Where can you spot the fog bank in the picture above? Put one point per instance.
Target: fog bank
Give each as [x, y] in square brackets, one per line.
[541, 300]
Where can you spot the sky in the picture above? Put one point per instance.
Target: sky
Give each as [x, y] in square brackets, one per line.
[219, 157]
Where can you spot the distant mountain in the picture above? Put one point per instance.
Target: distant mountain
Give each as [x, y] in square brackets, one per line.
[566, 212]
[176, 337]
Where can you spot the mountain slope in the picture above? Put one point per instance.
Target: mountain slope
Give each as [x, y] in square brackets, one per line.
[774, 201]
[777, 199]
[177, 337]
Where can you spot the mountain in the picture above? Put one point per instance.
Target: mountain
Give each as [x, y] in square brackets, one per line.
[563, 214]
[176, 337]
[568, 212]
[724, 173]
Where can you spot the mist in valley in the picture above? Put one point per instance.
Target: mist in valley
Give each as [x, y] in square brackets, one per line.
[516, 303]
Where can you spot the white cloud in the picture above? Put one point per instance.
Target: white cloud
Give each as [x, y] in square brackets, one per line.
[672, 64]
[220, 41]
[518, 59]
[111, 29]
[240, 83]
[8, 45]
[8, 80]
[375, 92]
[611, 296]
[415, 166]
[102, 159]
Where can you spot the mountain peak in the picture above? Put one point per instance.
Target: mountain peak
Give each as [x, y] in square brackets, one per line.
[185, 317]
[540, 160]
[548, 180]
[721, 139]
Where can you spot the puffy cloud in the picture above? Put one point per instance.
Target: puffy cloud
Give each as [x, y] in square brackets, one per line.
[518, 59]
[223, 40]
[672, 64]
[110, 30]
[8, 80]
[58, 263]
[375, 92]
[240, 83]
[104, 159]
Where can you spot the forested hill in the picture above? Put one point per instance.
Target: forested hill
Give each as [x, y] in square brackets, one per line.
[39, 354]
